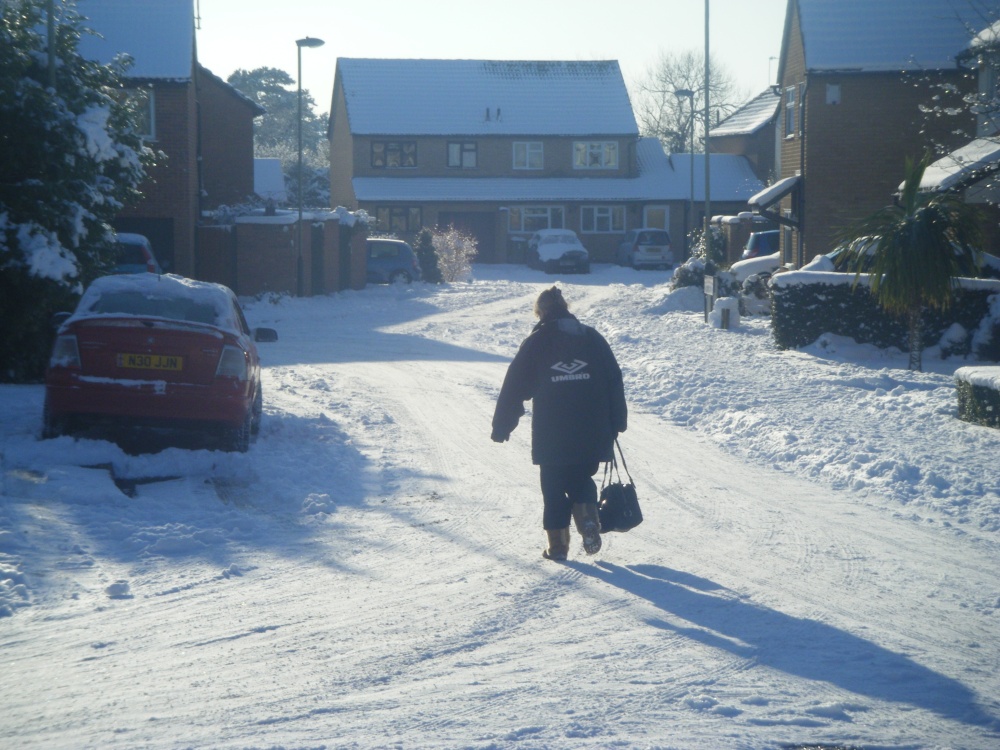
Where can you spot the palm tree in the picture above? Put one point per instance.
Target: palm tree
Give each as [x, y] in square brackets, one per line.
[914, 249]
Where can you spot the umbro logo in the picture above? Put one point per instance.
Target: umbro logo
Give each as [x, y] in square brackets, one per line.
[570, 371]
[575, 366]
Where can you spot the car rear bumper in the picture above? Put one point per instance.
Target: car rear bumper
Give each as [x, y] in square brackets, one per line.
[224, 403]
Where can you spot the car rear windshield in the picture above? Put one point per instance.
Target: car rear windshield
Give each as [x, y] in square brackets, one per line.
[653, 238]
[143, 305]
[131, 254]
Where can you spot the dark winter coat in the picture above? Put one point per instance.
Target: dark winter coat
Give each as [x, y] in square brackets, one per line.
[568, 371]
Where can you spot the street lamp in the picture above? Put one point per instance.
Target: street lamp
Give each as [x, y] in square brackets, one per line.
[689, 95]
[300, 272]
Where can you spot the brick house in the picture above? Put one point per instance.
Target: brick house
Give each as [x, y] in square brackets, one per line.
[202, 124]
[750, 132]
[853, 78]
[500, 149]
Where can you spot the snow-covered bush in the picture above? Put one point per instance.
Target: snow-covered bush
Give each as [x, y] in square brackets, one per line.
[455, 252]
[71, 159]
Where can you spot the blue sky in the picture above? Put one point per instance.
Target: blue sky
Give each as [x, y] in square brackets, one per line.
[239, 34]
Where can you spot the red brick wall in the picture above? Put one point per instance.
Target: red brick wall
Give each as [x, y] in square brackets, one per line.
[266, 260]
[226, 143]
[171, 190]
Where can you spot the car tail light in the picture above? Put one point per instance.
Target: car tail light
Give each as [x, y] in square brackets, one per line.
[232, 364]
[150, 268]
[65, 352]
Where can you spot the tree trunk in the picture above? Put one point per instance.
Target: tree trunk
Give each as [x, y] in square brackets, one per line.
[916, 338]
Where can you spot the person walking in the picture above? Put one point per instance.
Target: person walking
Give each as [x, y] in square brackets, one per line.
[570, 374]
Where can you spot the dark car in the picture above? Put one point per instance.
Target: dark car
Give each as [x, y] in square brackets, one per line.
[391, 261]
[134, 254]
[555, 250]
[761, 244]
[645, 248]
[156, 351]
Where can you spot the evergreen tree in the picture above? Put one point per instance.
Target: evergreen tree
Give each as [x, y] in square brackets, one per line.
[276, 131]
[427, 256]
[71, 160]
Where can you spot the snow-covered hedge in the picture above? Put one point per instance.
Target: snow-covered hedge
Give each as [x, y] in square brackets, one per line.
[979, 395]
[808, 304]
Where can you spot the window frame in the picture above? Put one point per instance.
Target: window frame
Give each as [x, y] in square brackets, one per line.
[531, 148]
[555, 217]
[592, 155]
[399, 150]
[142, 101]
[464, 149]
[400, 219]
[612, 214]
[791, 114]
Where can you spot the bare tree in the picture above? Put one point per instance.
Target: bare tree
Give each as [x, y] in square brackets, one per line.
[662, 114]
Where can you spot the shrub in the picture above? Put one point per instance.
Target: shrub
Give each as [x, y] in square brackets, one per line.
[427, 257]
[978, 397]
[455, 252]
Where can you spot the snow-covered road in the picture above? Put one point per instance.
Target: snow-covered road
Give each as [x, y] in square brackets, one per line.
[818, 564]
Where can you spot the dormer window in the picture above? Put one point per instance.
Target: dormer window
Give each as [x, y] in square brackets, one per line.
[529, 155]
[595, 155]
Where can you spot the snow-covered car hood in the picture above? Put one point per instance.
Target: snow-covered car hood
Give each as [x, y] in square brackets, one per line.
[553, 247]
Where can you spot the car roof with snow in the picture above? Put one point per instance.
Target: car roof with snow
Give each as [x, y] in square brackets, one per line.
[159, 296]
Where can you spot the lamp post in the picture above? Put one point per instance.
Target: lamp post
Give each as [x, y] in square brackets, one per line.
[689, 95]
[300, 271]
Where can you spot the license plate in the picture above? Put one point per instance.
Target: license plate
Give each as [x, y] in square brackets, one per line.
[151, 362]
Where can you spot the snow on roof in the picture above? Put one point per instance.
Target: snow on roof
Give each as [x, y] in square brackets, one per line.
[749, 118]
[485, 97]
[861, 35]
[158, 34]
[659, 178]
[988, 37]
[268, 179]
[774, 193]
[967, 164]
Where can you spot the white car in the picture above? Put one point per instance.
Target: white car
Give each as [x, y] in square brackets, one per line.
[554, 250]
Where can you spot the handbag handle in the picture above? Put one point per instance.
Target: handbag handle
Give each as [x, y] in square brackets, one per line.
[612, 466]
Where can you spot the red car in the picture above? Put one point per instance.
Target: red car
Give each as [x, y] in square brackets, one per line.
[156, 350]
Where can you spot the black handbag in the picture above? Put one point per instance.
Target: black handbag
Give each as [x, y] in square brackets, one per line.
[618, 506]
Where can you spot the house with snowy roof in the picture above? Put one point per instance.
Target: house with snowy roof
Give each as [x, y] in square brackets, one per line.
[202, 124]
[500, 149]
[860, 85]
[750, 132]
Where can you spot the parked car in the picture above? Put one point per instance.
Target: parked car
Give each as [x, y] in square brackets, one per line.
[839, 260]
[134, 254]
[645, 248]
[156, 351]
[554, 250]
[761, 243]
[391, 261]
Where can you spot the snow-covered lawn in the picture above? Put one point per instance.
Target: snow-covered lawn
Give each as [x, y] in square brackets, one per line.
[818, 563]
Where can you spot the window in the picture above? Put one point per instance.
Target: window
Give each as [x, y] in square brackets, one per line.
[595, 155]
[529, 155]
[533, 218]
[140, 103]
[602, 219]
[833, 93]
[399, 218]
[462, 155]
[790, 111]
[394, 154]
